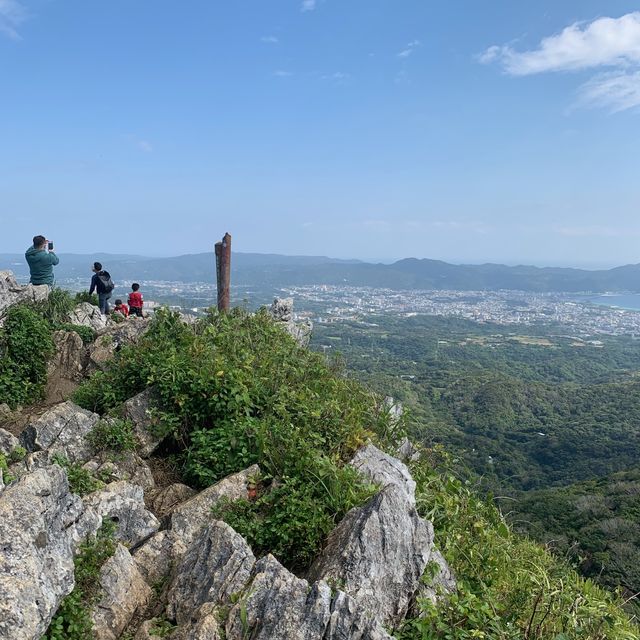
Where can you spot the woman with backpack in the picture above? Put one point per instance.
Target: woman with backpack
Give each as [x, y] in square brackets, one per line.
[101, 283]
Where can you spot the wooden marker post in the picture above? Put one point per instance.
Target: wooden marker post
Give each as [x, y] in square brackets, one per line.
[223, 272]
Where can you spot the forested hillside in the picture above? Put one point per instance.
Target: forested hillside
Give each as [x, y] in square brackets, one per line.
[522, 410]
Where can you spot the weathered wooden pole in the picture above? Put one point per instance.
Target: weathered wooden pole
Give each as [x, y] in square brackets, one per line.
[223, 272]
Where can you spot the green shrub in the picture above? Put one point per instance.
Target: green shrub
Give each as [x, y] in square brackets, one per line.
[4, 469]
[57, 306]
[85, 296]
[112, 434]
[72, 621]
[86, 333]
[80, 480]
[25, 345]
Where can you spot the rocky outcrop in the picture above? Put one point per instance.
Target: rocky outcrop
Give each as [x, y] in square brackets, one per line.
[41, 524]
[276, 604]
[8, 442]
[125, 466]
[216, 566]
[155, 558]
[61, 430]
[123, 592]
[112, 337]
[65, 369]
[282, 312]
[165, 501]
[443, 582]
[378, 553]
[87, 315]
[138, 411]
[13, 293]
[123, 503]
[188, 519]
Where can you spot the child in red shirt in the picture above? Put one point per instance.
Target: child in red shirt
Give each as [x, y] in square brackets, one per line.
[122, 308]
[135, 300]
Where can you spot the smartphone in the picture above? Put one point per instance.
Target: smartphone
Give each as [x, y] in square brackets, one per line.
[51, 246]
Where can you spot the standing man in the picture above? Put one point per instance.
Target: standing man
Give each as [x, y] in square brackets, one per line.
[41, 260]
[101, 283]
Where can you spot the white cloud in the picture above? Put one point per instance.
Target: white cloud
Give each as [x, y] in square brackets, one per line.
[615, 91]
[409, 49]
[612, 43]
[603, 42]
[12, 14]
[269, 39]
[338, 77]
[308, 5]
[282, 73]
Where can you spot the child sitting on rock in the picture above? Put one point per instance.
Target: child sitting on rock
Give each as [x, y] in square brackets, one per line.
[121, 308]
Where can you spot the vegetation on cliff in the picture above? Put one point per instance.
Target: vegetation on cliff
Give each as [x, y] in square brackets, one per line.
[235, 390]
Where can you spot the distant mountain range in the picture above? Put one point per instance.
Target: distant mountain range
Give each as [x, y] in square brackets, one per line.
[255, 269]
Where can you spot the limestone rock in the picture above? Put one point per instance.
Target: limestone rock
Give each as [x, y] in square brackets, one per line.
[127, 465]
[217, 564]
[378, 553]
[65, 369]
[123, 503]
[207, 626]
[190, 517]
[41, 524]
[138, 410]
[87, 315]
[12, 293]
[123, 592]
[282, 312]
[112, 336]
[155, 558]
[380, 468]
[8, 442]
[277, 604]
[168, 499]
[443, 583]
[61, 430]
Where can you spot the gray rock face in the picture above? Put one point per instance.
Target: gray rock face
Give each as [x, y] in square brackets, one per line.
[189, 518]
[65, 369]
[111, 337]
[8, 442]
[276, 604]
[86, 315]
[61, 430]
[12, 293]
[282, 312]
[378, 553]
[124, 592]
[443, 583]
[155, 558]
[217, 565]
[165, 501]
[123, 503]
[382, 469]
[125, 466]
[41, 523]
[137, 409]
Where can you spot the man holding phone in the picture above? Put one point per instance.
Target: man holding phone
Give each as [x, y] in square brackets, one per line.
[41, 260]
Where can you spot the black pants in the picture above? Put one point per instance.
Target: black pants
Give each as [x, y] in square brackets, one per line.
[135, 311]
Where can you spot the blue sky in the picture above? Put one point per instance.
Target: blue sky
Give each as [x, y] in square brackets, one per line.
[460, 130]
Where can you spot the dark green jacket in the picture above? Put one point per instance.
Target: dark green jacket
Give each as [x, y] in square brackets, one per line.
[41, 265]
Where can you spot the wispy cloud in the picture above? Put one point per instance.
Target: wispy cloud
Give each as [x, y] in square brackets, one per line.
[597, 231]
[612, 43]
[282, 73]
[12, 15]
[409, 49]
[339, 77]
[270, 39]
[308, 5]
[145, 145]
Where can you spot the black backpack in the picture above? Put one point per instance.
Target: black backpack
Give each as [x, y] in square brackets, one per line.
[106, 282]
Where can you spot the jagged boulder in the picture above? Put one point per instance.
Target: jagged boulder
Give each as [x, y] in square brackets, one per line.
[189, 518]
[127, 465]
[12, 293]
[138, 411]
[112, 337]
[277, 604]
[155, 558]
[443, 582]
[61, 430]
[166, 500]
[282, 312]
[41, 524]
[383, 469]
[378, 553]
[217, 565]
[87, 315]
[123, 503]
[123, 592]
[8, 442]
[65, 369]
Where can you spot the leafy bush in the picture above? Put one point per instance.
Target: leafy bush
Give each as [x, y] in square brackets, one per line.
[72, 621]
[85, 296]
[86, 333]
[80, 480]
[112, 434]
[57, 306]
[4, 469]
[25, 345]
